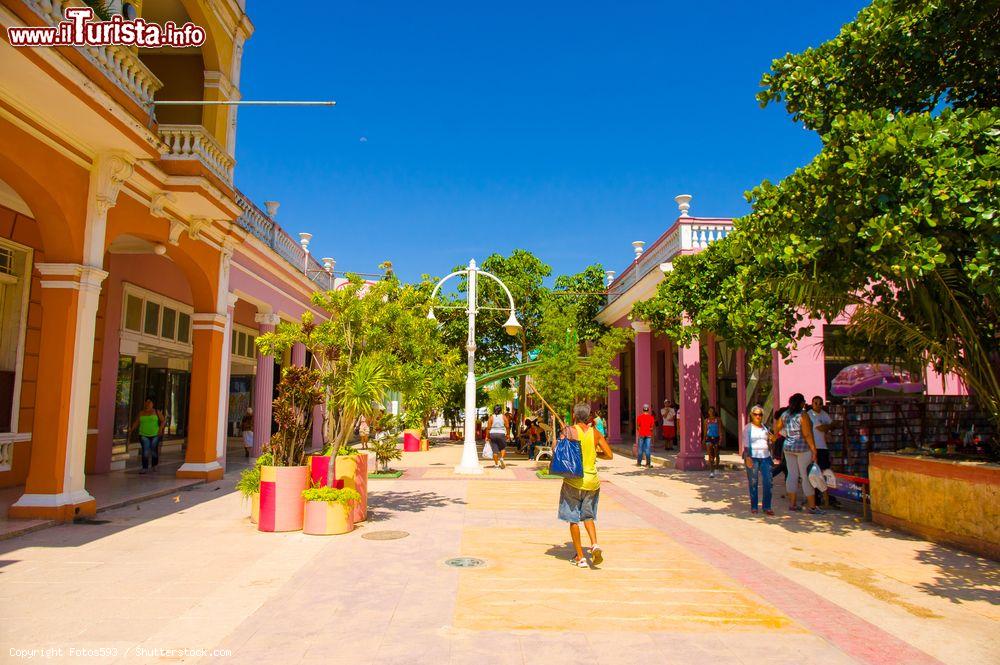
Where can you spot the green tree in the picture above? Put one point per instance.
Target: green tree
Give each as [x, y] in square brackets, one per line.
[564, 376]
[524, 274]
[586, 290]
[371, 341]
[896, 217]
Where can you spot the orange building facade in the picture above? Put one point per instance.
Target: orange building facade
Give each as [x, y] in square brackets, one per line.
[130, 265]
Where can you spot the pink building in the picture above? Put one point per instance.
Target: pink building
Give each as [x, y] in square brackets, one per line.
[709, 371]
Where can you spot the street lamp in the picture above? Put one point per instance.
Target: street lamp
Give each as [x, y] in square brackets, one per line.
[470, 459]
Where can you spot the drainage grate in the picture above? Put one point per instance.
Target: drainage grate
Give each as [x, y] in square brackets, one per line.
[90, 520]
[465, 562]
[385, 535]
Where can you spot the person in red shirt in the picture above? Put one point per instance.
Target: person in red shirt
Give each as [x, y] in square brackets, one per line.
[644, 430]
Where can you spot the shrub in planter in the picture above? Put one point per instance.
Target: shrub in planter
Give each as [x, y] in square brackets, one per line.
[282, 482]
[249, 484]
[328, 510]
[386, 450]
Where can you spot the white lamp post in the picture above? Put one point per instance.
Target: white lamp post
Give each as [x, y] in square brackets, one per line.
[470, 459]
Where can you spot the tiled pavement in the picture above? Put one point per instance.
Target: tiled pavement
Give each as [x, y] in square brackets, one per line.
[689, 578]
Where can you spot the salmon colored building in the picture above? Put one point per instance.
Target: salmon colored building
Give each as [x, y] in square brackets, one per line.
[710, 371]
[130, 265]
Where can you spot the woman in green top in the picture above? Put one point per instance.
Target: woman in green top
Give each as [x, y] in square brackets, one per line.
[150, 424]
[579, 496]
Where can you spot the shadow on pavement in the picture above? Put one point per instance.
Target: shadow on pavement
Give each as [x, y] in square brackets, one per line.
[961, 576]
[381, 506]
[116, 520]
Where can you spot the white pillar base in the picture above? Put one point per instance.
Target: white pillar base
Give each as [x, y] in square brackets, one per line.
[476, 470]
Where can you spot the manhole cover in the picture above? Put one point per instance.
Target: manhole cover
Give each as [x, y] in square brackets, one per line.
[385, 535]
[465, 562]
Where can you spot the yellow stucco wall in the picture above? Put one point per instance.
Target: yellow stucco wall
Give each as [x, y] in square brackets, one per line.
[955, 502]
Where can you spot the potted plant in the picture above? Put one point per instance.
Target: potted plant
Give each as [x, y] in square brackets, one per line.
[249, 484]
[328, 510]
[385, 450]
[283, 480]
[412, 432]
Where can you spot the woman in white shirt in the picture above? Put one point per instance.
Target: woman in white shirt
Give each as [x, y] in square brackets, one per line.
[757, 458]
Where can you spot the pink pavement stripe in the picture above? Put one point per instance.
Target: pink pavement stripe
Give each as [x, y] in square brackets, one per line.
[850, 633]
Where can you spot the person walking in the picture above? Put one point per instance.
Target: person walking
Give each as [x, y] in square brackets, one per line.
[364, 432]
[821, 423]
[579, 497]
[711, 437]
[150, 424]
[757, 439]
[246, 431]
[799, 452]
[497, 428]
[644, 431]
[668, 417]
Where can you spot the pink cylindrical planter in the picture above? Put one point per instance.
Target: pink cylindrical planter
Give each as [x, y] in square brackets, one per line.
[281, 502]
[326, 519]
[411, 440]
[351, 472]
[319, 468]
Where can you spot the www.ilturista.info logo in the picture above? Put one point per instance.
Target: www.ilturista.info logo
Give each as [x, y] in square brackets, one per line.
[80, 29]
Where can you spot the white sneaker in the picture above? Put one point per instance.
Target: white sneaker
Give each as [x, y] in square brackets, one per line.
[711, 474]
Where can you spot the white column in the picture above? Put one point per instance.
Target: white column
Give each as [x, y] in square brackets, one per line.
[81, 324]
[227, 351]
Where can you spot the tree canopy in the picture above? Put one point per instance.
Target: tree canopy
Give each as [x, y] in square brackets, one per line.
[895, 219]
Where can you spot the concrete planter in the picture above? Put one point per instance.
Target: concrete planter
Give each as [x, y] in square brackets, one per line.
[324, 518]
[281, 503]
[411, 440]
[351, 472]
[951, 502]
[255, 508]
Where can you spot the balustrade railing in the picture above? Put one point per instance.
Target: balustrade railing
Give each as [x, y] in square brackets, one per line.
[195, 142]
[262, 227]
[119, 63]
[687, 235]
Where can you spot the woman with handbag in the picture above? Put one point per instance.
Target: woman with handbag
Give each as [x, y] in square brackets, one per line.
[579, 495]
[799, 452]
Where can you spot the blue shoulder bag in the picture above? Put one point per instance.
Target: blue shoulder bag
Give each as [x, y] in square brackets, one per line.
[567, 459]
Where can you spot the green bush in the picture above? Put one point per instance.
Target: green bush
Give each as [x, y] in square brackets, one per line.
[344, 496]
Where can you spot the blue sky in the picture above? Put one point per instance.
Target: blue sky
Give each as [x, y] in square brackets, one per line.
[464, 128]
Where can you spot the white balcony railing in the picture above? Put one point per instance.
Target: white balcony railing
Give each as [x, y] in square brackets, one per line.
[120, 64]
[687, 235]
[194, 142]
[262, 227]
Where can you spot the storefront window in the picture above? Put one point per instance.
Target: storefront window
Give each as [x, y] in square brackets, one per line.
[183, 328]
[169, 319]
[152, 318]
[133, 313]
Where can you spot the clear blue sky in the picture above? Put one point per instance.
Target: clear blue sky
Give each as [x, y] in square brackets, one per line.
[562, 127]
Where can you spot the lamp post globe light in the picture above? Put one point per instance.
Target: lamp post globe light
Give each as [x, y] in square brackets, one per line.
[470, 459]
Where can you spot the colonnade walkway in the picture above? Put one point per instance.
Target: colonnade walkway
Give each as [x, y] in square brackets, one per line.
[689, 577]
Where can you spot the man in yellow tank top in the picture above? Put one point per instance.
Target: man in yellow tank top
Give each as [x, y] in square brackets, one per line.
[579, 496]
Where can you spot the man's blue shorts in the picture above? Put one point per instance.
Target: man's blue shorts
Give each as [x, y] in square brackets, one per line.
[577, 506]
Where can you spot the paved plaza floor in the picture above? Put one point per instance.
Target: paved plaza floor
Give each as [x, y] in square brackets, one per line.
[689, 577]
